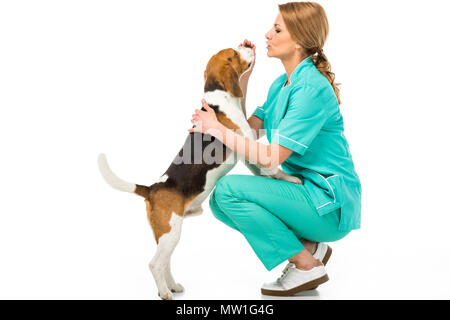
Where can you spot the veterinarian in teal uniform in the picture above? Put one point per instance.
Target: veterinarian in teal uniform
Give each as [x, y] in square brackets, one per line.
[305, 118]
[301, 114]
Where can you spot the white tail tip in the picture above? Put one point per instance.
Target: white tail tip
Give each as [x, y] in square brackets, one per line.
[111, 178]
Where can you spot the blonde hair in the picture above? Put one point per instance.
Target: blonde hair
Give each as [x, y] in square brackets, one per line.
[307, 24]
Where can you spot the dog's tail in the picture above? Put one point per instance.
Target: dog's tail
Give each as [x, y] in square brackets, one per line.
[117, 183]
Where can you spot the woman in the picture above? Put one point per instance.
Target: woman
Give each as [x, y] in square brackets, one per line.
[282, 220]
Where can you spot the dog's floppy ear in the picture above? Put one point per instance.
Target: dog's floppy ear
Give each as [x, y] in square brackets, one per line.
[212, 83]
[230, 80]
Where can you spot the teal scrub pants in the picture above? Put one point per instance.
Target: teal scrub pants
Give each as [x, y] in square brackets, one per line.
[273, 216]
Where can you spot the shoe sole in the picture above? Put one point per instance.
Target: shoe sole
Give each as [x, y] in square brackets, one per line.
[304, 287]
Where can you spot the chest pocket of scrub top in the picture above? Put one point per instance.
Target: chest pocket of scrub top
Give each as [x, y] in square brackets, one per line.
[325, 192]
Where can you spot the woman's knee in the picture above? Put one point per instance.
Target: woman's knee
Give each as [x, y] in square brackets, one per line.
[214, 206]
[224, 194]
[219, 213]
[230, 184]
[225, 187]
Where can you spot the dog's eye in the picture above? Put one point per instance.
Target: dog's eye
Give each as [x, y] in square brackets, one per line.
[229, 59]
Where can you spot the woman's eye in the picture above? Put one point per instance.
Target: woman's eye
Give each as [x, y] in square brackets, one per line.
[277, 31]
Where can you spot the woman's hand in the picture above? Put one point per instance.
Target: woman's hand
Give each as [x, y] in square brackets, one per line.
[246, 75]
[205, 121]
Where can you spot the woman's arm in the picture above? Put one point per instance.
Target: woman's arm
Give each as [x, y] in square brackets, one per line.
[243, 80]
[266, 156]
[257, 126]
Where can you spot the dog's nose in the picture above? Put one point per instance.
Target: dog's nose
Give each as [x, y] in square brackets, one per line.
[247, 45]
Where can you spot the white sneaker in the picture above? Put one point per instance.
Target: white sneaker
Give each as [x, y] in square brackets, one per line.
[323, 253]
[294, 280]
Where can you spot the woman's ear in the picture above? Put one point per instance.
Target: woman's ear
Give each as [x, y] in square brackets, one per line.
[230, 80]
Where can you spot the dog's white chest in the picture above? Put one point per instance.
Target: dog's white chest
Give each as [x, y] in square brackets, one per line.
[229, 105]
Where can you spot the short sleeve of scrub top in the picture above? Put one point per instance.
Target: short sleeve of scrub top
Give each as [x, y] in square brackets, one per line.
[303, 120]
[259, 112]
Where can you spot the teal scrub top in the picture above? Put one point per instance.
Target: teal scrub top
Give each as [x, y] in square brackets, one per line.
[305, 118]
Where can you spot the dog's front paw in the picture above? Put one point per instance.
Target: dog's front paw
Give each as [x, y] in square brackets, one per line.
[289, 178]
[293, 180]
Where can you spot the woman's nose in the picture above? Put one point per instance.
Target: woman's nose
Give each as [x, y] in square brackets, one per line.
[268, 35]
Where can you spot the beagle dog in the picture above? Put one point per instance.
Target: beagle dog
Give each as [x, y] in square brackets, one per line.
[201, 162]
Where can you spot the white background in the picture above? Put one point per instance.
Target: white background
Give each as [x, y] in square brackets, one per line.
[123, 77]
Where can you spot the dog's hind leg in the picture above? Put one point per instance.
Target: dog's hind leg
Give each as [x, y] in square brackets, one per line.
[171, 284]
[160, 263]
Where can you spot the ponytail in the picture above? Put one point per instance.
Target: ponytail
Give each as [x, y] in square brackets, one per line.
[322, 64]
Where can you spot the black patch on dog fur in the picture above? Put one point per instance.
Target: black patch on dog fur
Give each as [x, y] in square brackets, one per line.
[212, 84]
[190, 178]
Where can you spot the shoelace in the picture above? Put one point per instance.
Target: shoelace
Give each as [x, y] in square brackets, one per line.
[285, 271]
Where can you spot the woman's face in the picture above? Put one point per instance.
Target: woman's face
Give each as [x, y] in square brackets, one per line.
[279, 42]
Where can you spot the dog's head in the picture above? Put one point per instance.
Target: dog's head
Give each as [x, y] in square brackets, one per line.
[225, 68]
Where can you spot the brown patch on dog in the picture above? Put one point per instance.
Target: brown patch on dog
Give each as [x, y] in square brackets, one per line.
[161, 205]
[223, 119]
[230, 79]
[223, 70]
[142, 191]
